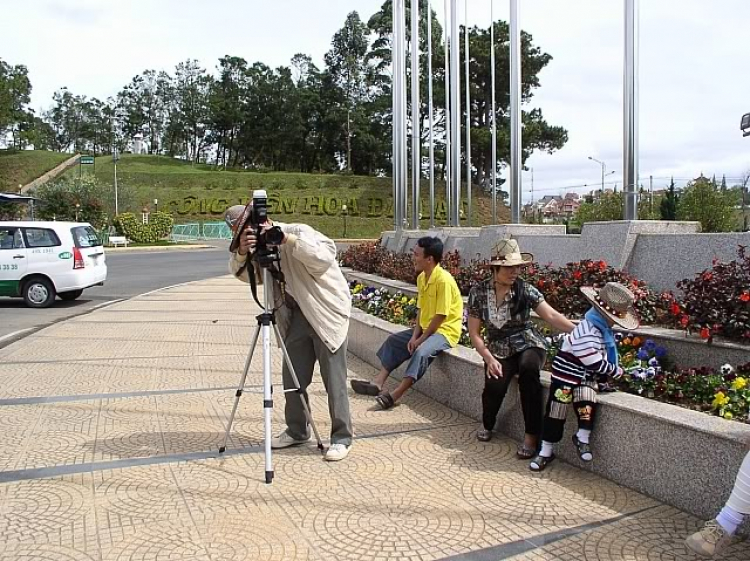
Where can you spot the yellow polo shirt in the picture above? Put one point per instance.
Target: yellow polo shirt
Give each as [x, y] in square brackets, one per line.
[440, 295]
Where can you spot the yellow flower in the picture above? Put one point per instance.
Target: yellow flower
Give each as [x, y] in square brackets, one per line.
[739, 383]
[626, 342]
[404, 300]
[412, 301]
[720, 400]
[357, 289]
[728, 415]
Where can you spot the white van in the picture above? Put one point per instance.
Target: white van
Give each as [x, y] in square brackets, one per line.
[40, 260]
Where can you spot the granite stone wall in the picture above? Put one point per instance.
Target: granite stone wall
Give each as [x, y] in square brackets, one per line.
[658, 252]
[678, 456]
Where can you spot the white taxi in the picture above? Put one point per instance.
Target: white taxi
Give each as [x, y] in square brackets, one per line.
[40, 260]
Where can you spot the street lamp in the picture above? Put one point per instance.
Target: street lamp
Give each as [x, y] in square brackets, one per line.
[156, 205]
[604, 169]
[344, 210]
[78, 208]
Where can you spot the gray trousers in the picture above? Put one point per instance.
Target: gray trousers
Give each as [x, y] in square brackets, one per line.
[305, 347]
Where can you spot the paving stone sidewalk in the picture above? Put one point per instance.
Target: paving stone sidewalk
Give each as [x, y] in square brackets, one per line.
[111, 423]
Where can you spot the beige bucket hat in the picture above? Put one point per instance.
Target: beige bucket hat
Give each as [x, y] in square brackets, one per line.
[506, 253]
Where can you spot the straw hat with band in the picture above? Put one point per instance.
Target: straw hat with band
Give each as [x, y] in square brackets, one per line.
[506, 253]
[614, 301]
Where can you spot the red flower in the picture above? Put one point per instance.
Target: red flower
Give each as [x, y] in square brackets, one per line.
[540, 284]
[577, 275]
[707, 276]
[684, 320]
[745, 297]
[675, 308]
[602, 266]
[705, 333]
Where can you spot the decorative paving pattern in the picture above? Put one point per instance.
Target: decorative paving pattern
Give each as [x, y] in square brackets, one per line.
[136, 477]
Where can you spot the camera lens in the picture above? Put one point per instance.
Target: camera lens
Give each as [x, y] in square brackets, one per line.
[274, 236]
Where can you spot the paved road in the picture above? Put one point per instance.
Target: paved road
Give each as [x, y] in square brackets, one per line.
[129, 274]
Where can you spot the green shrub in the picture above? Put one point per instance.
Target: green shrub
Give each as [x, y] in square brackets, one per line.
[159, 226]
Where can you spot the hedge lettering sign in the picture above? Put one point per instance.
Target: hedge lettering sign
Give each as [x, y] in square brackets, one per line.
[366, 207]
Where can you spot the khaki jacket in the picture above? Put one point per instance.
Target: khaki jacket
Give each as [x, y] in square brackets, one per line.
[313, 279]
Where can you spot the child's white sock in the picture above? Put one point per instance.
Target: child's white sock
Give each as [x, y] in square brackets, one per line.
[730, 519]
[583, 436]
[547, 449]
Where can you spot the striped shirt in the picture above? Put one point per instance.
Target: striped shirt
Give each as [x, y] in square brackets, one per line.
[582, 356]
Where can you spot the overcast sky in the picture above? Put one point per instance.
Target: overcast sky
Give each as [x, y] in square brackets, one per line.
[694, 75]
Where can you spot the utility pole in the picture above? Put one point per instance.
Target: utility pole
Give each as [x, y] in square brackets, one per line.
[651, 192]
[115, 157]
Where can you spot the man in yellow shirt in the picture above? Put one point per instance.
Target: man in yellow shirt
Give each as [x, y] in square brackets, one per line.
[439, 317]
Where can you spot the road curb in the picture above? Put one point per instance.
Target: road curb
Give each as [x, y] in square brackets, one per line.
[23, 333]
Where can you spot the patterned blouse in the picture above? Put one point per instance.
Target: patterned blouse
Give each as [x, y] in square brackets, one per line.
[506, 334]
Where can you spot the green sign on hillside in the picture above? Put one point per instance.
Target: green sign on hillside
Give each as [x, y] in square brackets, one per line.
[87, 160]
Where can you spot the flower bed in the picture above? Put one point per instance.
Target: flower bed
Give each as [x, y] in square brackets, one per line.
[716, 302]
[650, 372]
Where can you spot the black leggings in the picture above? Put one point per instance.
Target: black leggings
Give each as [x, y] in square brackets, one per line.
[561, 396]
[527, 364]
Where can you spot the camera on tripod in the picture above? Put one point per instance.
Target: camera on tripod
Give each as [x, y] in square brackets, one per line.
[255, 215]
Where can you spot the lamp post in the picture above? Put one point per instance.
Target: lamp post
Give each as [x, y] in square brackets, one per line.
[344, 211]
[78, 208]
[156, 205]
[604, 169]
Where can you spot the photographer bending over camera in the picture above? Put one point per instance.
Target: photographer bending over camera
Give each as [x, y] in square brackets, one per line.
[316, 308]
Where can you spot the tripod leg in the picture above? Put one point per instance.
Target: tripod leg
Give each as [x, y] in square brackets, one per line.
[267, 399]
[240, 387]
[297, 388]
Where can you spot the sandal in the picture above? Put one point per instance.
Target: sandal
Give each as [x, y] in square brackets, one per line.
[541, 462]
[363, 387]
[523, 452]
[484, 435]
[385, 400]
[583, 448]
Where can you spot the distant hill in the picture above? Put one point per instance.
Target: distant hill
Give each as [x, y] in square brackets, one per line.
[23, 166]
[201, 193]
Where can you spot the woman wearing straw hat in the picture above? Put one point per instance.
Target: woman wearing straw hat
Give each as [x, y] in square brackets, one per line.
[587, 356]
[513, 345]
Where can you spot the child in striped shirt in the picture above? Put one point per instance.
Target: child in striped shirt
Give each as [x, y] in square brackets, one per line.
[587, 357]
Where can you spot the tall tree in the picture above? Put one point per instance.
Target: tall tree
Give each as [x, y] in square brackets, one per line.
[66, 120]
[538, 134]
[15, 95]
[668, 205]
[349, 69]
[227, 107]
[704, 202]
[189, 113]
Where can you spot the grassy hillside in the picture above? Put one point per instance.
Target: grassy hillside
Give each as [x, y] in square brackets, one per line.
[21, 167]
[200, 193]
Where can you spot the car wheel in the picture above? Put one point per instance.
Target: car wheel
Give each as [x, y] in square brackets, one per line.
[38, 293]
[71, 295]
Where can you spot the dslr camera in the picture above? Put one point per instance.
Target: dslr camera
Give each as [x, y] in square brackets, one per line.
[255, 215]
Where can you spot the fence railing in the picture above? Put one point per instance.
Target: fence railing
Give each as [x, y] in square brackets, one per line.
[216, 231]
[185, 232]
[197, 231]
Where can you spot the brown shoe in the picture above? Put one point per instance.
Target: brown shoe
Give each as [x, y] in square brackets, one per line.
[710, 540]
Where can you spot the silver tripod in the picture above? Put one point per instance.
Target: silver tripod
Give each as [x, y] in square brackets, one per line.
[266, 320]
